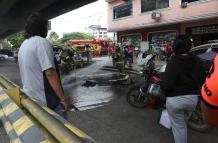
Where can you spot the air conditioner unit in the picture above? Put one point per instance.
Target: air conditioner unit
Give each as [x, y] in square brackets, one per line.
[156, 15]
[184, 4]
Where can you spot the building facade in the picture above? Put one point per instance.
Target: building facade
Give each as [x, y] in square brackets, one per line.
[144, 22]
[98, 31]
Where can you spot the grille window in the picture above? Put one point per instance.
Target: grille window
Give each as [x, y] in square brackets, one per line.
[149, 5]
[122, 10]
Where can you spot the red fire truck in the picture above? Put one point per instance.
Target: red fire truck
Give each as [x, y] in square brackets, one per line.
[98, 47]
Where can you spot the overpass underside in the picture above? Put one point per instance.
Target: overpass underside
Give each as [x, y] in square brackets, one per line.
[13, 13]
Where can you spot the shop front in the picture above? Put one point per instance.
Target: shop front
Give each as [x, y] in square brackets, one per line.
[133, 39]
[160, 36]
[159, 40]
[202, 34]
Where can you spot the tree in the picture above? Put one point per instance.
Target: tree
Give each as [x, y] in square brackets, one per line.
[5, 44]
[76, 36]
[16, 39]
[53, 38]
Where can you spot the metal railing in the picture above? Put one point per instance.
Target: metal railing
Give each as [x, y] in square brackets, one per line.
[57, 127]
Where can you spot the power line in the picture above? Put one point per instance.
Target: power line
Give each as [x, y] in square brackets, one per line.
[79, 19]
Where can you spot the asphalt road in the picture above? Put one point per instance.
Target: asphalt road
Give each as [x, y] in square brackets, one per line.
[109, 118]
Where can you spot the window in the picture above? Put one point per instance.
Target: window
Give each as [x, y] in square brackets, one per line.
[189, 1]
[122, 10]
[149, 5]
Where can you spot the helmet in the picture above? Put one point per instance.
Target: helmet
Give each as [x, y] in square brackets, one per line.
[209, 90]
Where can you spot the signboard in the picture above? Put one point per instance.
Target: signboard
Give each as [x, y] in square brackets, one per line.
[205, 29]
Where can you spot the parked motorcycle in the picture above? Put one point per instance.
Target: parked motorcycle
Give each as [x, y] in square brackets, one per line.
[137, 94]
[138, 97]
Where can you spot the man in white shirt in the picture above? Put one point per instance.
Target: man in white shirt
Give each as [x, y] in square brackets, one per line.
[39, 76]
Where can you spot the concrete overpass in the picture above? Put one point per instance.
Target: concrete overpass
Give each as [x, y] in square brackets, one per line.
[13, 13]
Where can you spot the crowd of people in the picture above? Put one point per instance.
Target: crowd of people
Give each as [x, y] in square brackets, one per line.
[122, 53]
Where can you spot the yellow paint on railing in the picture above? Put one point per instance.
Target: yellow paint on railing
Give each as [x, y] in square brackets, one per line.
[1, 113]
[75, 130]
[45, 141]
[3, 97]
[10, 108]
[8, 126]
[22, 124]
[49, 110]
[16, 141]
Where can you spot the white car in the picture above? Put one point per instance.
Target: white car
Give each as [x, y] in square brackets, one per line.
[3, 57]
[206, 52]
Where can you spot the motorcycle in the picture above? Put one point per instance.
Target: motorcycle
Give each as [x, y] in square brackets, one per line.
[138, 96]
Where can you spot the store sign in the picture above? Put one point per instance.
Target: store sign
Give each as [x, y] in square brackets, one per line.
[205, 29]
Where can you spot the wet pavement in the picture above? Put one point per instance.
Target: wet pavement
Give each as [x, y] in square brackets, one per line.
[90, 87]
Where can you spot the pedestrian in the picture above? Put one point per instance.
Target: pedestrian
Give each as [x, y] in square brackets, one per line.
[181, 83]
[87, 51]
[39, 76]
[67, 62]
[168, 49]
[126, 55]
[113, 51]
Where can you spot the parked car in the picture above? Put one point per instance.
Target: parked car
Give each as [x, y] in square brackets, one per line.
[15, 54]
[206, 52]
[3, 57]
[205, 48]
[213, 41]
[7, 52]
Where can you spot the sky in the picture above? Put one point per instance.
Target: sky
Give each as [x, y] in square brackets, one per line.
[78, 20]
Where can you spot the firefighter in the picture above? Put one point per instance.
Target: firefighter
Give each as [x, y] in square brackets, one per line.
[66, 56]
[119, 59]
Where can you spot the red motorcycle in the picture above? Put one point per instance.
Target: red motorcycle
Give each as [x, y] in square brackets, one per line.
[137, 94]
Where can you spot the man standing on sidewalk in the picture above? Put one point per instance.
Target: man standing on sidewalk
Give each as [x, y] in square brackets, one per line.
[37, 67]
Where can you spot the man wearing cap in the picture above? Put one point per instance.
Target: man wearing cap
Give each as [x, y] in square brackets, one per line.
[181, 83]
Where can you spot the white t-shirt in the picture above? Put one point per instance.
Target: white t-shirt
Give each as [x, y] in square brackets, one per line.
[35, 56]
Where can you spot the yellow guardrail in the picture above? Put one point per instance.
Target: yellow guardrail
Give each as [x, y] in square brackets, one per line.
[33, 123]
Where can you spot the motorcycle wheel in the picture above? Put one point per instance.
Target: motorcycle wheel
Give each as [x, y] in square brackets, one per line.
[133, 98]
[196, 121]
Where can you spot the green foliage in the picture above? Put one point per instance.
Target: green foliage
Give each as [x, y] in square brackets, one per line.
[53, 38]
[76, 36]
[16, 39]
[5, 45]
